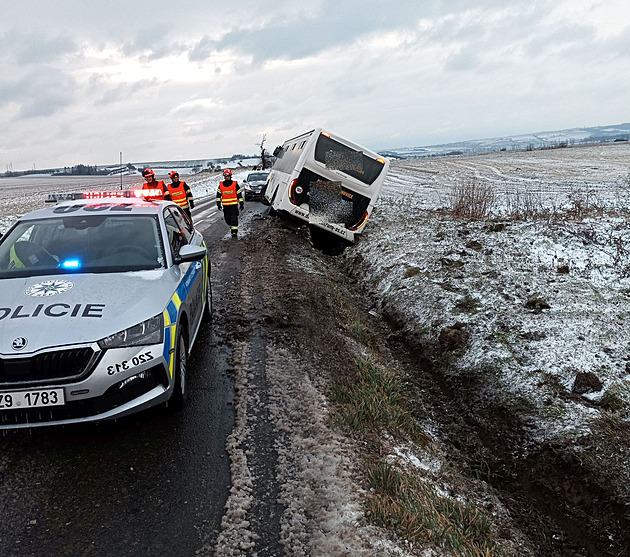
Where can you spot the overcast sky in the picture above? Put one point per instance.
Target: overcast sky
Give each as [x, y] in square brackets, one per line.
[82, 81]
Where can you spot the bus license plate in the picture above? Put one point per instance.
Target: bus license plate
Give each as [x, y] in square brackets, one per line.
[31, 399]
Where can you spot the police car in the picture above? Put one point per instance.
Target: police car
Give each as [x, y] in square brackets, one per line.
[103, 295]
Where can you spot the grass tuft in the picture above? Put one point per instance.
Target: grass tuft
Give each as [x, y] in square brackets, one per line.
[414, 510]
[376, 400]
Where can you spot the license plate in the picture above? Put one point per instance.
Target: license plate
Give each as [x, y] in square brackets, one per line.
[31, 399]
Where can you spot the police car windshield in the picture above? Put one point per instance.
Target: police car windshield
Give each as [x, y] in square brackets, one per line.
[81, 244]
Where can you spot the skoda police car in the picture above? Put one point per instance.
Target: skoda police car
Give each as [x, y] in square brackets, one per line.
[103, 295]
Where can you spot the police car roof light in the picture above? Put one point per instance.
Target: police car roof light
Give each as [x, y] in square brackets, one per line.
[104, 194]
[152, 193]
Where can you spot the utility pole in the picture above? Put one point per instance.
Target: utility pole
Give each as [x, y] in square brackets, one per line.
[121, 170]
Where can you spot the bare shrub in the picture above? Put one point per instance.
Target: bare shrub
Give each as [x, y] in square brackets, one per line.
[530, 205]
[582, 203]
[471, 200]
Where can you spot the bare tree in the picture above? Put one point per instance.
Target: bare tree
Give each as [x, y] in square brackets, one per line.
[264, 155]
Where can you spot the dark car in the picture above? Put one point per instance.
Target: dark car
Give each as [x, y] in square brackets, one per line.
[254, 183]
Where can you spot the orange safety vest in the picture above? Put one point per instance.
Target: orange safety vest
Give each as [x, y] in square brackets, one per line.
[156, 186]
[228, 193]
[178, 193]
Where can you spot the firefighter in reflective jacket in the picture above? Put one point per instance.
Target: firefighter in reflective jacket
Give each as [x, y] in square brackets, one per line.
[229, 196]
[181, 194]
[152, 184]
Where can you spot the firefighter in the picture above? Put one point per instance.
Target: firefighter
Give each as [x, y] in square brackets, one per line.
[152, 184]
[229, 196]
[181, 194]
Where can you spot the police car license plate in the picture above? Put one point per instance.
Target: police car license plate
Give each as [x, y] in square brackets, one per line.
[31, 399]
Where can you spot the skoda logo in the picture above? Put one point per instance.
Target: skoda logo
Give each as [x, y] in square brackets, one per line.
[19, 343]
[49, 288]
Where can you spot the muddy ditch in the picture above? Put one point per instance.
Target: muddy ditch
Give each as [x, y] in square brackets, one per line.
[564, 496]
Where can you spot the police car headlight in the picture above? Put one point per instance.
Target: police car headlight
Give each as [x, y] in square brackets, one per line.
[150, 331]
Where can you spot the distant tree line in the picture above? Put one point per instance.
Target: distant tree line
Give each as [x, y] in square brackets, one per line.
[81, 170]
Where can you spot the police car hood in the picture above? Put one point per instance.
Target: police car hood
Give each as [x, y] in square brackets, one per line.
[49, 311]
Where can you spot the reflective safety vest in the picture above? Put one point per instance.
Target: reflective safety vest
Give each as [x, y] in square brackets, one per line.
[178, 193]
[228, 193]
[157, 186]
[14, 261]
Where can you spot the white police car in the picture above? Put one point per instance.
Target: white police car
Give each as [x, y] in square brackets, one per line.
[102, 299]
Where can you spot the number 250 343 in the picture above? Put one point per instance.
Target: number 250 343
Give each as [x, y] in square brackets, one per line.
[128, 364]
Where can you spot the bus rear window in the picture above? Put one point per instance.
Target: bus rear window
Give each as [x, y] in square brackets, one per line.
[337, 156]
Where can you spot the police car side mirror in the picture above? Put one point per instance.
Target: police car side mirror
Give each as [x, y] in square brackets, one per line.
[190, 253]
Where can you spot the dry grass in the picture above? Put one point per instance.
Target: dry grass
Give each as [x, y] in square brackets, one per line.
[471, 200]
[376, 399]
[417, 512]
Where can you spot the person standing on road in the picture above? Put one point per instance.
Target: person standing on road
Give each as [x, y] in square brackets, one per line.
[181, 194]
[229, 196]
[152, 184]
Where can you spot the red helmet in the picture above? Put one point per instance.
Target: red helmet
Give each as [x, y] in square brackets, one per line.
[227, 172]
[148, 172]
[173, 173]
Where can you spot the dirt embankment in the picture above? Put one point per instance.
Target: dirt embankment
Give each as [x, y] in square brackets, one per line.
[550, 500]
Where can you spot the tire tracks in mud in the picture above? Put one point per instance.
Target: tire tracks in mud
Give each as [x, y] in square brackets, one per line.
[292, 477]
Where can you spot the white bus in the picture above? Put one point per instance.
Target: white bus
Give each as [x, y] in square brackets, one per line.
[327, 181]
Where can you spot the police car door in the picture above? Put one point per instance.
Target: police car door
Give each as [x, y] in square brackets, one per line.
[181, 232]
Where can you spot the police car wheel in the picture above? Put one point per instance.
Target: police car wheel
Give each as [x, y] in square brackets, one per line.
[207, 311]
[180, 390]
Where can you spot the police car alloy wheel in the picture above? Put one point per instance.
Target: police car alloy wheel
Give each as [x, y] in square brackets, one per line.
[180, 387]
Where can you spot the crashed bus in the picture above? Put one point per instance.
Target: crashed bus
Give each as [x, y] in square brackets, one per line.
[327, 181]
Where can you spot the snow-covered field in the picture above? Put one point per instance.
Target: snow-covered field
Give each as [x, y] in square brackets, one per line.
[541, 288]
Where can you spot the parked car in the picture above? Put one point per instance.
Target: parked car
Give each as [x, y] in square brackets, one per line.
[102, 301]
[254, 183]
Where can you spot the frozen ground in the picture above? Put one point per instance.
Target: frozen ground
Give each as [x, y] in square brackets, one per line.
[558, 233]
[525, 316]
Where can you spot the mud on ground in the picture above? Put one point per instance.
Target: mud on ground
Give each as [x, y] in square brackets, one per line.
[550, 500]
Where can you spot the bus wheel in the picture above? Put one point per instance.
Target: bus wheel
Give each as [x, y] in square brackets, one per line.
[263, 199]
[326, 242]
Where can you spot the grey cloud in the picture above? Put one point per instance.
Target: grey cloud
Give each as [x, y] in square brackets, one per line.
[336, 23]
[202, 50]
[23, 48]
[40, 93]
[120, 92]
[153, 41]
[341, 23]
[463, 60]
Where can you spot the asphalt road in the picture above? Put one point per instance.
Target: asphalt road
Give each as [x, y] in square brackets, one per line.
[152, 484]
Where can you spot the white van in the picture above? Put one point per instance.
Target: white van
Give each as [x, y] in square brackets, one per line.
[327, 181]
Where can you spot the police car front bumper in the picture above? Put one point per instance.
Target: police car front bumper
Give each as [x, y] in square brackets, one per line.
[121, 382]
